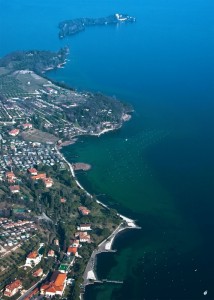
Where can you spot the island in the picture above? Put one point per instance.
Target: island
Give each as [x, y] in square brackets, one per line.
[71, 27]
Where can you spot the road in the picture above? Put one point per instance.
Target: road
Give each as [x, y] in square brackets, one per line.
[27, 293]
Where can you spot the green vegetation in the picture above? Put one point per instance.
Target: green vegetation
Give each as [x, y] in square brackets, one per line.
[34, 60]
[57, 113]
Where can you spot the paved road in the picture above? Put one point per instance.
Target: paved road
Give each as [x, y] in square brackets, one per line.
[32, 288]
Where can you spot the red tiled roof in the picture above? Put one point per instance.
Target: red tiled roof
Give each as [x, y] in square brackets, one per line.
[60, 279]
[33, 255]
[39, 176]
[14, 188]
[32, 170]
[72, 250]
[10, 175]
[38, 272]
[27, 125]
[84, 210]
[13, 285]
[14, 132]
[56, 286]
[85, 225]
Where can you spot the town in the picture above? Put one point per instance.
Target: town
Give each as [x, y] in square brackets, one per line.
[49, 226]
[34, 182]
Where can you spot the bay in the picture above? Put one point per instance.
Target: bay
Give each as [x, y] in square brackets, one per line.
[158, 168]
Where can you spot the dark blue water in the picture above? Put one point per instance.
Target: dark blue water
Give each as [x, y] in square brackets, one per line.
[164, 65]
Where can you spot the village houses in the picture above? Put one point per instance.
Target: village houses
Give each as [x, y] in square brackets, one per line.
[12, 288]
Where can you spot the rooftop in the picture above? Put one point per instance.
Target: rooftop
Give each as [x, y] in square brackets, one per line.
[33, 255]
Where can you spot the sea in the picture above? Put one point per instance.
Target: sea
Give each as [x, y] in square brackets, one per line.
[158, 169]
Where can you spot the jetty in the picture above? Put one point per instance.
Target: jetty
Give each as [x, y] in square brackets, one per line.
[112, 281]
[90, 276]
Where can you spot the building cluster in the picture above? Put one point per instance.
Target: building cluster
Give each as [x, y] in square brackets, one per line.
[55, 286]
[13, 234]
[35, 176]
[23, 155]
[13, 181]
[21, 230]
[14, 132]
[67, 131]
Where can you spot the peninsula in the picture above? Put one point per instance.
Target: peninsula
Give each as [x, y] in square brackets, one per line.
[35, 60]
[54, 226]
[71, 27]
[53, 107]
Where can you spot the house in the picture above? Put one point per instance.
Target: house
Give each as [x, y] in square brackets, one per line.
[83, 210]
[14, 132]
[38, 273]
[14, 189]
[51, 91]
[56, 286]
[10, 176]
[12, 288]
[51, 253]
[39, 176]
[48, 182]
[84, 237]
[33, 171]
[56, 242]
[72, 251]
[75, 243]
[27, 126]
[63, 200]
[33, 259]
[84, 227]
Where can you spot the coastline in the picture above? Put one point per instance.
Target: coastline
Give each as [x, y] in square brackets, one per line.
[90, 276]
[125, 118]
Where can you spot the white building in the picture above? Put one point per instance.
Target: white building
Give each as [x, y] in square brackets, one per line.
[33, 259]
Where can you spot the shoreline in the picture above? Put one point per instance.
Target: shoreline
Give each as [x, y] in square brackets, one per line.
[125, 118]
[74, 138]
[89, 275]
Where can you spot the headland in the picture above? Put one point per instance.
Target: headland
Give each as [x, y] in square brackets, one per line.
[38, 118]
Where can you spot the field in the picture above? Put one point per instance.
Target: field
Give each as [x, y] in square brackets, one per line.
[36, 135]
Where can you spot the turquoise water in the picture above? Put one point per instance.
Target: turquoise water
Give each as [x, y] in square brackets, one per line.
[158, 168]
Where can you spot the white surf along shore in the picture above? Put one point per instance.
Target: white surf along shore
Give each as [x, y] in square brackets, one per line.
[90, 276]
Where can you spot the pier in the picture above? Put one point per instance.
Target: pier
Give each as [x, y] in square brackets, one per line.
[112, 281]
